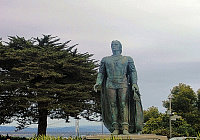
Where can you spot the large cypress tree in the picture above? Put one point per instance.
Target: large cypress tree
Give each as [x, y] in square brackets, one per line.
[41, 77]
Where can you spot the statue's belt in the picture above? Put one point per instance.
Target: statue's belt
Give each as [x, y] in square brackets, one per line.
[118, 80]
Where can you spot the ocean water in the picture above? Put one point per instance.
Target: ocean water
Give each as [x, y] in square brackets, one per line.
[62, 131]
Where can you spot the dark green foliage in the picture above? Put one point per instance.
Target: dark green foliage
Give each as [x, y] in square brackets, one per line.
[185, 103]
[183, 99]
[151, 112]
[43, 76]
[198, 100]
[160, 126]
[12, 138]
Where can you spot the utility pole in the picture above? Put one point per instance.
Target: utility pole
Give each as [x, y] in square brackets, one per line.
[102, 127]
[101, 124]
[170, 114]
[77, 127]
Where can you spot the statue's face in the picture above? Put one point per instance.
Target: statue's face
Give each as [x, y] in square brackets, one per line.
[115, 46]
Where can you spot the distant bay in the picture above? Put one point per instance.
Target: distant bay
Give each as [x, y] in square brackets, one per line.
[57, 131]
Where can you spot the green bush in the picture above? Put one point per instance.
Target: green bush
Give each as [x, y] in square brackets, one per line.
[12, 138]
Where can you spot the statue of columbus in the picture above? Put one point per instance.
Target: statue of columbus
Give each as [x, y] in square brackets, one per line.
[122, 111]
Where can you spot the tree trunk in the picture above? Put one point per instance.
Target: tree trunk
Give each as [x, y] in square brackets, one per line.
[42, 120]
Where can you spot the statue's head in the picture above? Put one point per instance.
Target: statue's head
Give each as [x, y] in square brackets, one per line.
[116, 46]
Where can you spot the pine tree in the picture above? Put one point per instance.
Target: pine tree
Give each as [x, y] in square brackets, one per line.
[41, 77]
[198, 100]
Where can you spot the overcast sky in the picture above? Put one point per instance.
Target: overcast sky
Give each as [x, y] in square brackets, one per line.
[162, 36]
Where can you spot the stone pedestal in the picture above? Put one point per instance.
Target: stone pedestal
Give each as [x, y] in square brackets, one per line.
[126, 137]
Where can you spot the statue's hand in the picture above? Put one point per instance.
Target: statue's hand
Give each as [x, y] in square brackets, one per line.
[135, 88]
[96, 86]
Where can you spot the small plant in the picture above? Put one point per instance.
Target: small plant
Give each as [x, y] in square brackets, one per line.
[197, 138]
[43, 137]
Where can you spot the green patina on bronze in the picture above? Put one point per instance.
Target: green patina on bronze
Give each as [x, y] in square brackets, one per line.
[120, 97]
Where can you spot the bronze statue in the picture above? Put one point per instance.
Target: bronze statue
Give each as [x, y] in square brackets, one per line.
[120, 98]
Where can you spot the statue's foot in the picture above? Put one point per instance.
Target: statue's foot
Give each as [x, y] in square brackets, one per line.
[125, 132]
[115, 132]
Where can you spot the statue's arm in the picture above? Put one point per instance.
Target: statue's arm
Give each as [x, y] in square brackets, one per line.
[100, 75]
[133, 74]
[132, 71]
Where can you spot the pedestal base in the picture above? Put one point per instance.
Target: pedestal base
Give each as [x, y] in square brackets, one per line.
[127, 137]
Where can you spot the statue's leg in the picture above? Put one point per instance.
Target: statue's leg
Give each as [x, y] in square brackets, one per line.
[123, 101]
[112, 95]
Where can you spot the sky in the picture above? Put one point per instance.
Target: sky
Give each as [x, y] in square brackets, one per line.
[161, 36]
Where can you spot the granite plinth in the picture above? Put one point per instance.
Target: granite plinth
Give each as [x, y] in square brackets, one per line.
[127, 137]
